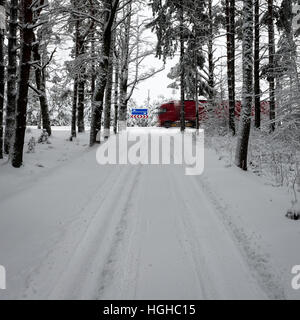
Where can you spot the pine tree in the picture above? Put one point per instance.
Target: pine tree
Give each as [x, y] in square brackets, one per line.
[211, 65]
[170, 24]
[40, 66]
[257, 64]
[23, 84]
[11, 77]
[245, 122]
[271, 77]
[2, 75]
[230, 24]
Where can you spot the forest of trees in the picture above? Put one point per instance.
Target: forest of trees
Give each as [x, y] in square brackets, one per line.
[254, 41]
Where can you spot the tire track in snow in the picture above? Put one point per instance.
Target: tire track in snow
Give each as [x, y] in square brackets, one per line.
[58, 260]
[115, 266]
[189, 244]
[158, 266]
[255, 259]
[87, 264]
[219, 264]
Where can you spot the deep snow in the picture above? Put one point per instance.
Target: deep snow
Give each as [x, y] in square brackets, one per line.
[72, 229]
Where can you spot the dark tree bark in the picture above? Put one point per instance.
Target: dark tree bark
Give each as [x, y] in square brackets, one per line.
[93, 56]
[196, 90]
[257, 65]
[81, 88]
[211, 65]
[2, 82]
[271, 76]
[11, 77]
[82, 32]
[182, 70]
[124, 69]
[116, 95]
[93, 76]
[230, 23]
[245, 122]
[40, 79]
[74, 108]
[109, 88]
[23, 84]
[75, 86]
[97, 108]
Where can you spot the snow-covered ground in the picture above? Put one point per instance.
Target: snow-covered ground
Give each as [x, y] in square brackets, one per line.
[72, 229]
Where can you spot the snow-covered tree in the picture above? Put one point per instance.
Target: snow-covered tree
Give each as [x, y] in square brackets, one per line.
[23, 83]
[109, 14]
[245, 122]
[2, 69]
[11, 76]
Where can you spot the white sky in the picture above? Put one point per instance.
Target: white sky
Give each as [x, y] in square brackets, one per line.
[157, 85]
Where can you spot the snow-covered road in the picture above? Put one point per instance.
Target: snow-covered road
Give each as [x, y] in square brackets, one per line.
[122, 232]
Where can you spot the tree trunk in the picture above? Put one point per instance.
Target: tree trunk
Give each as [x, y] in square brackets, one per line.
[196, 93]
[39, 120]
[40, 80]
[93, 78]
[2, 80]
[182, 71]
[75, 86]
[245, 125]
[109, 87]
[211, 65]
[97, 107]
[116, 99]
[257, 66]
[271, 64]
[22, 97]
[81, 88]
[74, 108]
[123, 101]
[124, 72]
[230, 23]
[11, 77]
[93, 59]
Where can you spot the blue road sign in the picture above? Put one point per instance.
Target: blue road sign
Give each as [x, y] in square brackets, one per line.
[139, 112]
